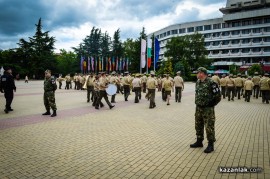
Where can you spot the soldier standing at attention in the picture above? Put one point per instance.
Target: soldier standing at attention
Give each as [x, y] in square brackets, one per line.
[103, 84]
[230, 83]
[179, 87]
[136, 83]
[168, 85]
[8, 86]
[144, 80]
[223, 83]
[256, 80]
[206, 97]
[126, 85]
[68, 81]
[248, 89]
[49, 94]
[239, 83]
[265, 88]
[151, 86]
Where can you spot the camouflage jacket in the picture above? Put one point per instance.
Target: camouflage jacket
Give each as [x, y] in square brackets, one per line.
[49, 84]
[207, 93]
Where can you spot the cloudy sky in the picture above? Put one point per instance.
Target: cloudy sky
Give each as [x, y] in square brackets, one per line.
[70, 21]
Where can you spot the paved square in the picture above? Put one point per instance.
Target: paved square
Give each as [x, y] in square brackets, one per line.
[129, 141]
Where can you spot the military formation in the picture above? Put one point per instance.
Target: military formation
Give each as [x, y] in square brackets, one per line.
[239, 86]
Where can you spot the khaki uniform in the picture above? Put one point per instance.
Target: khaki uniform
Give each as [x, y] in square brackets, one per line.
[239, 85]
[248, 86]
[256, 89]
[151, 86]
[216, 79]
[68, 82]
[113, 80]
[223, 84]
[144, 80]
[136, 83]
[230, 83]
[90, 87]
[103, 82]
[265, 89]
[179, 86]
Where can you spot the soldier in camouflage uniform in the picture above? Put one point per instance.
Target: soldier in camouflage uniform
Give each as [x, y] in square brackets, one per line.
[49, 94]
[206, 88]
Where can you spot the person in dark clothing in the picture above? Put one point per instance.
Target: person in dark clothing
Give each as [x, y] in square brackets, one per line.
[7, 87]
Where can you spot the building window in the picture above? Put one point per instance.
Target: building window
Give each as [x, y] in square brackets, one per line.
[226, 25]
[245, 41]
[235, 32]
[181, 31]
[216, 34]
[267, 20]
[245, 50]
[257, 30]
[256, 49]
[246, 31]
[246, 22]
[267, 49]
[266, 39]
[207, 44]
[227, 33]
[190, 29]
[215, 52]
[164, 34]
[207, 27]
[207, 36]
[225, 42]
[199, 28]
[235, 51]
[266, 29]
[256, 40]
[216, 26]
[257, 21]
[161, 36]
[174, 32]
[157, 36]
[235, 41]
[168, 33]
[216, 43]
[225, 51]
[236, 24]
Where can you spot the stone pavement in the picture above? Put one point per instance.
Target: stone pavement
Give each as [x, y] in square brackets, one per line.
[129, 141]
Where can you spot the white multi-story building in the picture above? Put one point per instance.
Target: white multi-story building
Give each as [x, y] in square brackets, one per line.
[240, 37]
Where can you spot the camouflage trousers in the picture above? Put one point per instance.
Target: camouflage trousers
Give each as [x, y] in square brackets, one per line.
[205, 117]
[49, 100]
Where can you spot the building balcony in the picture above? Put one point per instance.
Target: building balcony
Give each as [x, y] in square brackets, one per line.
[239, 54]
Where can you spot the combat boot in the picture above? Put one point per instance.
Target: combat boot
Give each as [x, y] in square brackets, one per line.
[47, 113]
[210, 147]
[197, 144]
[54, 113]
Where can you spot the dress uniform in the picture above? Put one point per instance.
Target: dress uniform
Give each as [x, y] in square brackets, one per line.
[49, 94]
[230, 84]
[167, 85]
[179, 87]
[223, 83]
[113, 80]
[90, 87]
[126, 85]
[136, 84]
[144, 80]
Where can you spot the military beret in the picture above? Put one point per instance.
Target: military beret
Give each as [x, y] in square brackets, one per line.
[202, 69]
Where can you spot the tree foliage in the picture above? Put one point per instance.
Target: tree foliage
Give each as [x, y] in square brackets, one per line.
[255, 68]
[67, 62]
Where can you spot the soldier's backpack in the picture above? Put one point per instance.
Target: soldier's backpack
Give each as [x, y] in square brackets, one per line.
[54, 83]
[215, 93]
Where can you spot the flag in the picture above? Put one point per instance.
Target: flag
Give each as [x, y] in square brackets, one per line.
[157, 49]
[82, 59]
[93, 63]
[116, 68]
[113, 64]
[127, 64]
[149, 50]
[109, 64]
[88, 64]
[143, 49]
[99, 61]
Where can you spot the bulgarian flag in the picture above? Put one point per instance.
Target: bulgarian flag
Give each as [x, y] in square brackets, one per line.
[149, 50]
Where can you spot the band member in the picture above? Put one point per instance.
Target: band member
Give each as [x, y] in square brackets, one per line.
[114, 80]
[90, 87]
[136, 83]
[151, 86]
[126, 83]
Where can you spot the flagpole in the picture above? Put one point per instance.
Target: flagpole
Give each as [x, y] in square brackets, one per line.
[140, 58]
[154, 53]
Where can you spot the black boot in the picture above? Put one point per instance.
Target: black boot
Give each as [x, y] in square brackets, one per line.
[47, 113]
[197, 144]
[54, 113]
[210, 147]
[111, 106]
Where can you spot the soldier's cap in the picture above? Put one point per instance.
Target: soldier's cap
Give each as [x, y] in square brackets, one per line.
[113, 73]
[126, 72]
[137, 75]
[266, 74]
[102, 72]
[223, 75]
[152, 73]
[144, 73]
[48, 71]
[239, 74]
[202, 69]
[249, 77]
[256, 73]
[179, 72]
[231, 75]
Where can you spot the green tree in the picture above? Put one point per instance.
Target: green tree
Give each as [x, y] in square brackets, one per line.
[117, 47]
[166, 68]
[255, 68]
[67, 62]
[38, 51]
